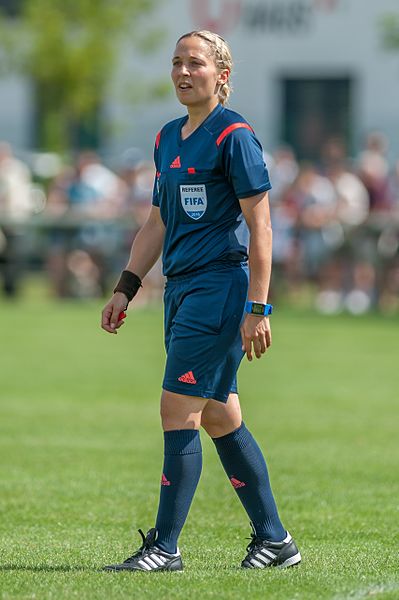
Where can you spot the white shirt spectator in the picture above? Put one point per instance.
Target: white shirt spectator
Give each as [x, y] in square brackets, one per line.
[15, 187]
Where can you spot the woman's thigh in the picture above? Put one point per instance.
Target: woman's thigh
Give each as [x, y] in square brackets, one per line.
[179, 411]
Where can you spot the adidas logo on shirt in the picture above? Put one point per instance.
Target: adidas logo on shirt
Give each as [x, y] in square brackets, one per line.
[176, 164]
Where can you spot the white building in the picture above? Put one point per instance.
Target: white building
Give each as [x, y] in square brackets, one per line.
[304, 70]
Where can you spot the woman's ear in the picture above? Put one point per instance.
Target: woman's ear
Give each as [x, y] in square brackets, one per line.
[223, 76]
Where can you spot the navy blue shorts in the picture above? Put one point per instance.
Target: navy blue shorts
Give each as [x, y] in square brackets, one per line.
[203, 314]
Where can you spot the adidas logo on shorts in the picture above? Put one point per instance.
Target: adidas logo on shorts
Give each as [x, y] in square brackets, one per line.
[188, 378]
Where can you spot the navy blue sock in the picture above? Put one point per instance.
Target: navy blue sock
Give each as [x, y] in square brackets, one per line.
[245, 466]
[181, 473]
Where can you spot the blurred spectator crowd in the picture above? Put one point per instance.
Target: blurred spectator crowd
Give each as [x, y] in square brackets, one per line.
[335, 223]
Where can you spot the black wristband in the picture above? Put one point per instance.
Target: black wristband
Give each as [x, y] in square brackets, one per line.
[129, 284]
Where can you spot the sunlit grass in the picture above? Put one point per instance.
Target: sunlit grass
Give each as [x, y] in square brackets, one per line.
[81, 456]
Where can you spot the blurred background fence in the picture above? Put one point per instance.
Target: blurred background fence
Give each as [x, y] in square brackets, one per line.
[336, 225]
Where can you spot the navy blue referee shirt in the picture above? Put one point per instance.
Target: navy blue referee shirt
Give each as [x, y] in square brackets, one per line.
[197, 186]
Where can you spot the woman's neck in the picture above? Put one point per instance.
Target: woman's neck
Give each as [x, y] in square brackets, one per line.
[196, 116]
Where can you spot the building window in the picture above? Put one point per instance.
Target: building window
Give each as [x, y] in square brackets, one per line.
[315, 110]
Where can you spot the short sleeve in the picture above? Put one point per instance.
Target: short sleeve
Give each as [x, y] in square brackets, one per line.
[155, 191]
[243, 163]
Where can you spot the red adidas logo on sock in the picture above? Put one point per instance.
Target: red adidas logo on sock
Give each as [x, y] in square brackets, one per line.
[188, 378]
[236, 483]
[176, 163]
[164, 481]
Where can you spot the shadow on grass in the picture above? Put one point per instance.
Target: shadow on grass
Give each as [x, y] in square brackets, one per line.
[49, 568]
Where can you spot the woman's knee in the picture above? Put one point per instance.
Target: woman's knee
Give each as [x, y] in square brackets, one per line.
[218, 428]
[219, 419]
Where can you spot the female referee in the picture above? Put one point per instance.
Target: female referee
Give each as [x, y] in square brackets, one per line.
[210, 219]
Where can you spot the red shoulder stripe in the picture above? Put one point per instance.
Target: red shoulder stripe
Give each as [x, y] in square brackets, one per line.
[157, 139]
[231, 128]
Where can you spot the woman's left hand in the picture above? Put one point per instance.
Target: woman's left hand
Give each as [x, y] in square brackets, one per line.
[256, 333]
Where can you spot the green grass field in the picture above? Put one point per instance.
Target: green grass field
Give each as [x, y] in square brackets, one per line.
[81, 459]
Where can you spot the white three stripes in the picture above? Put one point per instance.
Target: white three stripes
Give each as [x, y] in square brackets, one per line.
[152, 561]
[262, 558]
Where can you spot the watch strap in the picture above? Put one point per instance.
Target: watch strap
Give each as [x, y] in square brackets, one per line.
[258, 308]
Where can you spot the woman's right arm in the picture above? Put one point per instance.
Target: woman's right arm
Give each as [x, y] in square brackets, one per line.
[146, 249]
[147, 245]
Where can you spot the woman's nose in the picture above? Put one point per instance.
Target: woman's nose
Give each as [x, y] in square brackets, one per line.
[184, 70]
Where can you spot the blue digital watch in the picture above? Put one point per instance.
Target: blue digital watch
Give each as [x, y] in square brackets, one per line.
[259, 309]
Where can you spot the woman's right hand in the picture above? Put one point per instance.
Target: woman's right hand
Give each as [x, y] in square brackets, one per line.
[110, 316]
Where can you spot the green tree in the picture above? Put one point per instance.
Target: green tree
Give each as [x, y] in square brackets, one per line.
[390, 31]
[70, 48]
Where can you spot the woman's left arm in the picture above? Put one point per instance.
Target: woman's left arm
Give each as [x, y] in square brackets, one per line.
[255, 330]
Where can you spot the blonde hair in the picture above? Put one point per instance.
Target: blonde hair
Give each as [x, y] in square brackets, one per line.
[222, 55]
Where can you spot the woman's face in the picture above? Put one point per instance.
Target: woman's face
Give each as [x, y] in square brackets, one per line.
[194, 73]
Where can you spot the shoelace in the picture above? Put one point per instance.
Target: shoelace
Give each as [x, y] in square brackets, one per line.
[148, 542]
[254, 543]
